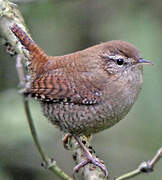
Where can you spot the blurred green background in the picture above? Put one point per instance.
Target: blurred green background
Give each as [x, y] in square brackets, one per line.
[65, 26]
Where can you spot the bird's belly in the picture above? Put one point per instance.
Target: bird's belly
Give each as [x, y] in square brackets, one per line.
[85, 119]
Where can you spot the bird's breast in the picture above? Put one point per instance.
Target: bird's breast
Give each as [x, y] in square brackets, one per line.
[122, 92]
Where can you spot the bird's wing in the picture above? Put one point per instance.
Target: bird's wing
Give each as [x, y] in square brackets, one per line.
[58, 87]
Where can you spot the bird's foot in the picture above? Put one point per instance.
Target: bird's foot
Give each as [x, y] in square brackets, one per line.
[89, 159]
[92, 160]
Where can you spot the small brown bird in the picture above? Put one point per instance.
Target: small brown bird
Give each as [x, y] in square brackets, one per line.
[87, 91]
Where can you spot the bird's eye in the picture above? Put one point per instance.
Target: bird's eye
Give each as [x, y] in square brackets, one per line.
[120, 61]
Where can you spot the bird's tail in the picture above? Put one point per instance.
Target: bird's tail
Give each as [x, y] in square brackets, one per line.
[37, 56]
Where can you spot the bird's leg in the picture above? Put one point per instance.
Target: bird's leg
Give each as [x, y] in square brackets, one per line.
[89, 158]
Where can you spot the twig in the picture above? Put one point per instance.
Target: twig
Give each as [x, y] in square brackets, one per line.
[144, 167]
[21, 76]
[49, 163]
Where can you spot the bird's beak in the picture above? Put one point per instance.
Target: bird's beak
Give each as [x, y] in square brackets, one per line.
[143, 61]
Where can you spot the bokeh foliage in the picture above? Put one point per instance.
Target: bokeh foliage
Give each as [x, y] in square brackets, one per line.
[65, 26]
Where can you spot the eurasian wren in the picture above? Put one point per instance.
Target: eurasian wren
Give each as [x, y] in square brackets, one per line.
[87, 91]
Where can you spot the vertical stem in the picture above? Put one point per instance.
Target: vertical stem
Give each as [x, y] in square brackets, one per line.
[32, 130]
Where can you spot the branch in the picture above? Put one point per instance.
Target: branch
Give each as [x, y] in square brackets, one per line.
[144, 167]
